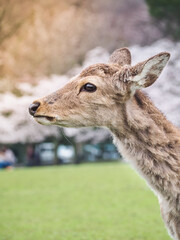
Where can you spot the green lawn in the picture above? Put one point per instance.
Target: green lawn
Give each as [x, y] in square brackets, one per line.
[84, 202]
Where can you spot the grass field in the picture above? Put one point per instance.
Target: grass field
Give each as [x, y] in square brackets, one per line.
[84, 202]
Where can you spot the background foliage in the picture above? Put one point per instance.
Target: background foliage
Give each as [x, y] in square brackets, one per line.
[168, 14]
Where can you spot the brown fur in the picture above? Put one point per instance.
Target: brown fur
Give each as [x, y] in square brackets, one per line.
[141, 132]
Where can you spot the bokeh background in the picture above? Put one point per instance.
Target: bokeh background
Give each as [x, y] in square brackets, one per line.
[43, 43]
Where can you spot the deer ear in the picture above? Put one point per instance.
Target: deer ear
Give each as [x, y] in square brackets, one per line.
[145, 73]
[121, 57]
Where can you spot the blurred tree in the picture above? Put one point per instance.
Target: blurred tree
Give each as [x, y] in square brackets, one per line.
[11, 18]
[168, 15]
[44, 37]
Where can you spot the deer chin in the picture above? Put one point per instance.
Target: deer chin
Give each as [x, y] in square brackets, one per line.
[45, 120]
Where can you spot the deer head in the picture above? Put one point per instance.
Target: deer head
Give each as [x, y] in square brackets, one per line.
[97, 95]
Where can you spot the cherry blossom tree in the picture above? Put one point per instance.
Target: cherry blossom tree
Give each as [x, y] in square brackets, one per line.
[17, 126]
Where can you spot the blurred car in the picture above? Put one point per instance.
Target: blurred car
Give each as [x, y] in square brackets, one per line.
[46, 153]
[110, 152]
[100, 152]
[92, 152]
[66, 154]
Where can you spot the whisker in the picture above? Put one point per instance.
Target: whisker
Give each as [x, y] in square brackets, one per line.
[62, 131]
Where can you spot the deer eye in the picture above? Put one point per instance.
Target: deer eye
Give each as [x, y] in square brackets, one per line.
[89, 87]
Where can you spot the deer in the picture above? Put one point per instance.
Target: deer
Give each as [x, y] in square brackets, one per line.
[110, 95]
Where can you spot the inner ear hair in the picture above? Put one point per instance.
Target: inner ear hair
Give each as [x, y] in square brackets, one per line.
[146, 73]
[121, 56]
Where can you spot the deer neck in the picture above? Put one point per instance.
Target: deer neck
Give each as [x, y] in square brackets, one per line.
[148, 141]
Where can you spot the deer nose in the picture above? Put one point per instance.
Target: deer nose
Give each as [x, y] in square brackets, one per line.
[33, 108]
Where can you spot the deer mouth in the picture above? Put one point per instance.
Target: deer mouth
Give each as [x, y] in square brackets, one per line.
[45, 120]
